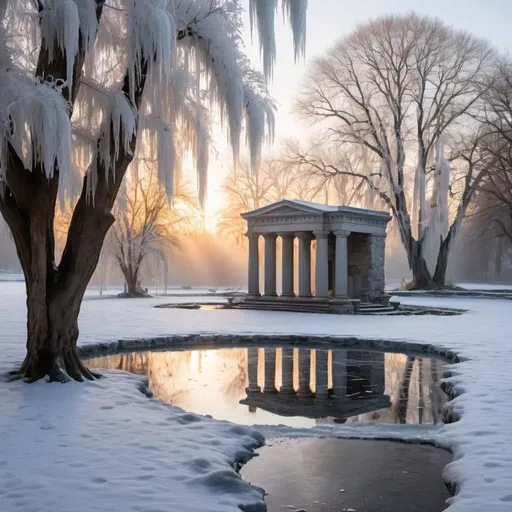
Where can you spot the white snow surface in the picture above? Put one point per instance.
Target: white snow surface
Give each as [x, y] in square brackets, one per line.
[107, 444]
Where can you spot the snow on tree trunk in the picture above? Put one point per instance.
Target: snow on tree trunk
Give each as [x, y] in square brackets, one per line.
[438, 221]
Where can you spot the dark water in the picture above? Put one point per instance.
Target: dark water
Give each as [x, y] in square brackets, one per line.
[291, 386]
[333, 475]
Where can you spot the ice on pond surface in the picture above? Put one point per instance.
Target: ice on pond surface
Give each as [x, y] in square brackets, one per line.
[298, 387]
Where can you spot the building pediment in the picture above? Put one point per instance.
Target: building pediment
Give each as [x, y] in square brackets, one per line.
[288, 208]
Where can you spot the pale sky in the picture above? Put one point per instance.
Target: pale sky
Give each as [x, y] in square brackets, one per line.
[329, 20]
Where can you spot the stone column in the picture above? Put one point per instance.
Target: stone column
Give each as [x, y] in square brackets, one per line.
[254, 265]
[339, 372]
[304, 264]
[304, 371]
[270, 370]
[322, 374]
[287, 265]
[270, 264]
[341, 273]
[322, 264]
[252, 370]
[287, 371]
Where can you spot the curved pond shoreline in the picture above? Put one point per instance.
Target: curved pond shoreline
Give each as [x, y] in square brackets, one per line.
[428, 436]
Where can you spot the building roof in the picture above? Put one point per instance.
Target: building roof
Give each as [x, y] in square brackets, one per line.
[288, 205]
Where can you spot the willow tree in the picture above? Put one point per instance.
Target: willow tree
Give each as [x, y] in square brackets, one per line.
[403, 87]
[80, 80]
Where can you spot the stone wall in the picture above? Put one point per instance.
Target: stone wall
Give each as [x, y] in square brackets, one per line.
[366, 266]
[378, 249]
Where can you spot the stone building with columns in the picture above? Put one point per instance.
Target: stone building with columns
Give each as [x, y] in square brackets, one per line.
[349, 247]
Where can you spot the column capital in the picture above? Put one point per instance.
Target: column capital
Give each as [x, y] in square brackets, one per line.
[251, 234]
[269, 236]
[342, 233]
[286, 235]
[321, 233]
[304, 234]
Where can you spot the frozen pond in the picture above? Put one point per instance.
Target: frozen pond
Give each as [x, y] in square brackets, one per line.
[335, 475]
[298, 387]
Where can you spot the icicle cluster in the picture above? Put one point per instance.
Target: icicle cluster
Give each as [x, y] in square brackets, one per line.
[262, 13]
[34, 121]
[295, 10]
[438, 214]
[61, 22]
[195, 66]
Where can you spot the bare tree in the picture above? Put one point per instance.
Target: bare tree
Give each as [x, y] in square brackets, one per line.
[145, 224]
[498, 117]
[401, 86]
[486, 244]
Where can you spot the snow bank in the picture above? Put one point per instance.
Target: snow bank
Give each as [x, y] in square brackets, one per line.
[481, 441]
[107, 445]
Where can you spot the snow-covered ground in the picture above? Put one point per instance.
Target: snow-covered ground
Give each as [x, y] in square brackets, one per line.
[396, 284]
[485, 286]
[107, 445]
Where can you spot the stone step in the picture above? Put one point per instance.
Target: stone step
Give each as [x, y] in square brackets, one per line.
[376, 310]
[308, 306]
[301, 307]
[284, 307]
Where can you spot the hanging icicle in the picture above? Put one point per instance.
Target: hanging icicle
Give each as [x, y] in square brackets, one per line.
[295, 11]
[261, 13]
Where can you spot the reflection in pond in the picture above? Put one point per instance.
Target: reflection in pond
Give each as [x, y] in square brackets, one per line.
[299, 387]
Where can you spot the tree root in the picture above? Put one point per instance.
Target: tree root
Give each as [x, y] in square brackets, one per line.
[63, 369]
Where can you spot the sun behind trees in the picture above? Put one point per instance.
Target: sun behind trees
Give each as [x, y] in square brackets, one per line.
[275, 180]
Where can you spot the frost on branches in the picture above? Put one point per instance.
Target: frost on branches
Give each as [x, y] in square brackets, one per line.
[86, 86]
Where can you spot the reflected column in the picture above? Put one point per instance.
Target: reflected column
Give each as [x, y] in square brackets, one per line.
[287, 371]
[252, 370]
[322, 374]
[270, 371]
[304, 371]
[339, 372]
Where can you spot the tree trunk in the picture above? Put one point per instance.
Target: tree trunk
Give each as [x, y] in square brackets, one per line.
[132, 281]
[52, 334]
[133, 284]
[498, 257]
[442, 263]
[54, 294]
[421, 277]
[444, 251]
